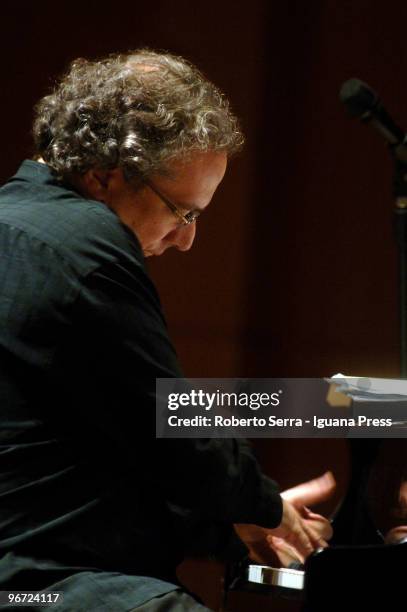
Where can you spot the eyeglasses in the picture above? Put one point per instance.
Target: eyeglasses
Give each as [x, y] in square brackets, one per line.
[187, 219]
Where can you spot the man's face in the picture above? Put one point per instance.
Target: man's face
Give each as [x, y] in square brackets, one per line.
[189, 187]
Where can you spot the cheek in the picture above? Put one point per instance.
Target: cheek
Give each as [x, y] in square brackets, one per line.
[160, 232]
[170, 235]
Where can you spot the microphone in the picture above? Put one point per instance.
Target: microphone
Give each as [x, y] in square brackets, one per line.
[362, 102]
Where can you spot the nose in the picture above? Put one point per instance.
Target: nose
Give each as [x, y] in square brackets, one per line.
[183, 237]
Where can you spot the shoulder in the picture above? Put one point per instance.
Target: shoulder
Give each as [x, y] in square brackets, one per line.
[85, 233]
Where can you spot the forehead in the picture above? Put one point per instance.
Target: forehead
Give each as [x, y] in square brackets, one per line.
[194, 177]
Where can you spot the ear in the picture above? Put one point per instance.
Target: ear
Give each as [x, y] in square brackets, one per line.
[98, 184]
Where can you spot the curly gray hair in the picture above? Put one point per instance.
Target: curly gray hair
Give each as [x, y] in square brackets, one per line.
[136, 111]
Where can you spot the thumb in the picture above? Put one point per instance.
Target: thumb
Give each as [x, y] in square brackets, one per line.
[311, 492]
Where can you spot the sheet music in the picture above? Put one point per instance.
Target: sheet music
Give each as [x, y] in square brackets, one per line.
[363, 388]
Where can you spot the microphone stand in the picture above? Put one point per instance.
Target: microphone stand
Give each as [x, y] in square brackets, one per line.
[400, 227]
[362, 102]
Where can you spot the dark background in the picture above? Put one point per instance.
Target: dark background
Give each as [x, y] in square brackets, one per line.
[293, 272]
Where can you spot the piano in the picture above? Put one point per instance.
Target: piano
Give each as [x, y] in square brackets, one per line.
[364, 566]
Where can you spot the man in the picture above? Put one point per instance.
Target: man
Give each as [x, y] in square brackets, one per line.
[129, 152]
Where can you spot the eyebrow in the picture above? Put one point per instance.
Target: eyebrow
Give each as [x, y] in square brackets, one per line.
[191, 210]
[181, 206]
[187, 207]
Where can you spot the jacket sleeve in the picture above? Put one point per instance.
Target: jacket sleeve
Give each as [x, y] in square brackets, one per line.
[124, 347]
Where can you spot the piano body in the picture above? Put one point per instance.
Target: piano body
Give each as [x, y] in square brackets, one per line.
[364, 567]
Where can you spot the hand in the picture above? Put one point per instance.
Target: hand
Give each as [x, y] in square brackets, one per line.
[317, 527]
[311, 492]
[300, 531]
[287, 553]
[293, 540]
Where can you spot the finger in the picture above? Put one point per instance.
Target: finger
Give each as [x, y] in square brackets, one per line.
[286, 553]
[316, 538]
[321, 526]
[307, 512]
[299, 538]
[317, 522]
[312, 516]
[311, 492]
